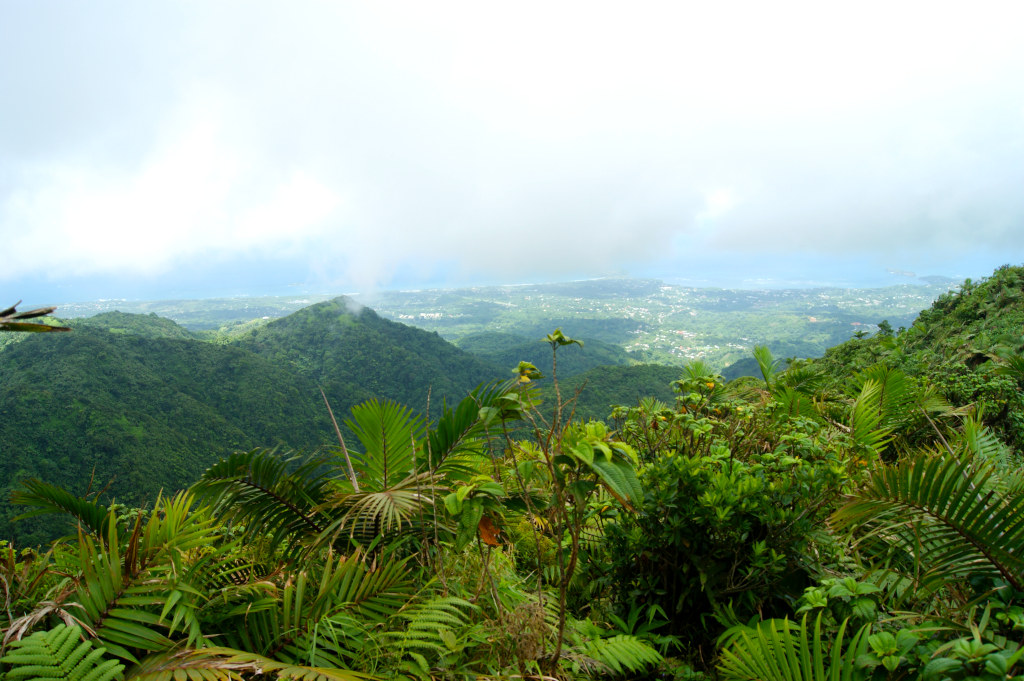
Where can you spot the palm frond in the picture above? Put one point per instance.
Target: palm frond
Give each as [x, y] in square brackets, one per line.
[227, 664]
[978, 441]
[323, 612]
[867, 426]
[768, 365]
[367, 515]
[947, 513]
[135, 589]
[460, 429]
[10, 320]
[47, 499]
[256, 489]
[794, 402]
[388, 432]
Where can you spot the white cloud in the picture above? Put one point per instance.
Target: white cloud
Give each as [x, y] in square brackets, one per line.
[488, 139]
[196, 194]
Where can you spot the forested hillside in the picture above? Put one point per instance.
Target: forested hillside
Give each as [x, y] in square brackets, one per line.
[134, 404]
[596, 391]
[355, 354]
[139, 413]
[507, 350]
[969, 345]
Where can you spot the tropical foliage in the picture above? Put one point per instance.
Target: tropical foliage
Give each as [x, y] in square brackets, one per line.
[856, 517]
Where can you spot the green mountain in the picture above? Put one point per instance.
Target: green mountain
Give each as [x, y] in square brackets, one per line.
[135, 402]
[94, 407]
[356, 354]
[507, 350]
[147, 326]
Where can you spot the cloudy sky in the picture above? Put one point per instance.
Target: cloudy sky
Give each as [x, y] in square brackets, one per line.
[204, 147]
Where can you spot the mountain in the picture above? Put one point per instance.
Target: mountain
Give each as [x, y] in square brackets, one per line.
[507, 350]
[356, 354]
[137, 403]
[144, 325]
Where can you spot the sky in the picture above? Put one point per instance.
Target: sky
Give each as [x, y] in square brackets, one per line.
[204, 148]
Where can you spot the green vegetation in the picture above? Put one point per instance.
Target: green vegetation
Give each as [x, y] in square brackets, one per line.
[853, 517]
[355, 354]
[146, 326]
[597, 390]
[92, 408]
[132, 404]
[505, 349]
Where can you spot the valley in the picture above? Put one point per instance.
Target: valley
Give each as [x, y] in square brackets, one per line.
[651, 320]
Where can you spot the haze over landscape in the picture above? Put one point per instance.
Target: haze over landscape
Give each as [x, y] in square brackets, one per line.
[210, 149]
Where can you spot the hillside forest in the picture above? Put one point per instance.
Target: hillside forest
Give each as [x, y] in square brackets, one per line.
[336, 496]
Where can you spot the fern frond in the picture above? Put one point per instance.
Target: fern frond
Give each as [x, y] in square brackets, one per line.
[621, 654]
[59, 654]
[426, 621]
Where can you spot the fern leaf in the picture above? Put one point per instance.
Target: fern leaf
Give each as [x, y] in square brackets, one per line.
[59, 654]
[621, 653]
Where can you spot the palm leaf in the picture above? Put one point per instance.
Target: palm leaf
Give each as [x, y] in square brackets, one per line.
[10, 320]
[256, 489]
[367, 515]
[767, 364]
[227, 664]
[136, 589]
[323, 613]
[47, 499]
[461, 434]
[388, 432]
[619, 478]
[945, 512]
[867, 427]
[794, 402]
